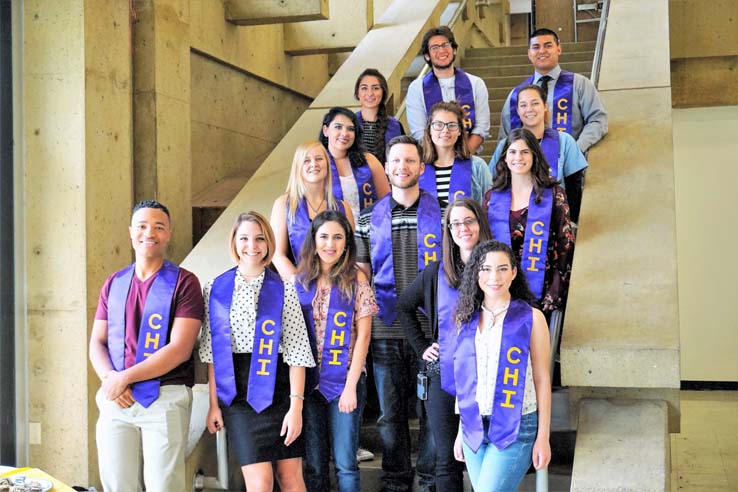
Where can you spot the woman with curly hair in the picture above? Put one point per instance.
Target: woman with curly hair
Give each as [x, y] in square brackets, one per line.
[435, 291]
[378, 128]
[528, 211]
[501, 369]
[338, 304]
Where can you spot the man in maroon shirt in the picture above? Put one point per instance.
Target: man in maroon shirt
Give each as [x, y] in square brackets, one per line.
[147, 320]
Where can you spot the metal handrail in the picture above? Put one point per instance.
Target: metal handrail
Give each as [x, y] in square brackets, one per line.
[597, 60]
[451, 24]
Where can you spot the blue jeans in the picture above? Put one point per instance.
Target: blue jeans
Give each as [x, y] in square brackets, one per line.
[491, 469]
[395, 372]
[328, 430]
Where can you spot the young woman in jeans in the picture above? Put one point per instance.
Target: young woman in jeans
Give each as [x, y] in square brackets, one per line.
[503, 386]
[338, 304]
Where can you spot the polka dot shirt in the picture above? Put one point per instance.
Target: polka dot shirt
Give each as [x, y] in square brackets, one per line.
[294, 344]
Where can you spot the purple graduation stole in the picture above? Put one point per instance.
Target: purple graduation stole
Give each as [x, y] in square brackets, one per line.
[380, 238]
[364, 181]
[263, 368]
[154, 328]
[535, 241]
[550, 146]
[460, 184]
[446, 300]
[334, 363]
[297, 228]
[462, 89]
[562, 102]
[507, 403]
[393, 127]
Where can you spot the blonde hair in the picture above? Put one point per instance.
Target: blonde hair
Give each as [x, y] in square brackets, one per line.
[296, 186]
[266, 229]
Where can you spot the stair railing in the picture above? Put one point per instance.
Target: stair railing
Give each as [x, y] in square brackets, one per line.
[597, 60]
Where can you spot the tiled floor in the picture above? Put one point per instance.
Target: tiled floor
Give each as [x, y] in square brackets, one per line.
[704, 456]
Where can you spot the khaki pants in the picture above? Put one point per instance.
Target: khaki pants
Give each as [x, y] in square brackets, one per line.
[157, 435]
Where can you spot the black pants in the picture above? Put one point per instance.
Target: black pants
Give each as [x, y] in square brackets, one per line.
[444, 424]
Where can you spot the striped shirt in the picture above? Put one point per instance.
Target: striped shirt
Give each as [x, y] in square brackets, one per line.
[405, 256]
[443, 181]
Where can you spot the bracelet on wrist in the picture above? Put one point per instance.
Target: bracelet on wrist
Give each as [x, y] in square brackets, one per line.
[301, 397]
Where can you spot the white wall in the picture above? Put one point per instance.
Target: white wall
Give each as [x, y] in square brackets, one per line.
[706, 178]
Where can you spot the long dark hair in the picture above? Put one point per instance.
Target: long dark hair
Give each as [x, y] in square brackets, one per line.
[356, 151]
[471, 296]
[452, 266]
[461, 148]
[382, 117]
[343, 273]
[541, 178]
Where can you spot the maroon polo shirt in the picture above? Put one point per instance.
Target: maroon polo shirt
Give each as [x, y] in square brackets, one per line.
[186, 303]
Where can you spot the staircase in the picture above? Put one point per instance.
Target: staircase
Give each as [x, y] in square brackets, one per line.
[504, 68]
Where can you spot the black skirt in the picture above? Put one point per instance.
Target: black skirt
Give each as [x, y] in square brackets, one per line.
[254, 437]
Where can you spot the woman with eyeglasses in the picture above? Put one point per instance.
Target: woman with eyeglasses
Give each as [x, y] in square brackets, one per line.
[528, 211]
[435, 292]
[378, 128]
[566, 161]
[338, 304]
[357, 176]
[501, 368]
[308, 193]
[450, 171]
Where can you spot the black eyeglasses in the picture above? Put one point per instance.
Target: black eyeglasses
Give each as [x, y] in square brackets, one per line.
[439, 126]
[468, 222]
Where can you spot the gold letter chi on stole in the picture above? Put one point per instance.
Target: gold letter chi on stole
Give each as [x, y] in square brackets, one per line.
[154, 328]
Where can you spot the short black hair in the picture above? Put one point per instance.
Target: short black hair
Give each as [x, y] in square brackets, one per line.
[404, 139]
[151, 204]
[544, 32]
[444, 31]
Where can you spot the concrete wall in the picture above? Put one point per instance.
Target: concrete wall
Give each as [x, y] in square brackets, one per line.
[77, 179]
[704, 52]
[237, 120]
[705, 157]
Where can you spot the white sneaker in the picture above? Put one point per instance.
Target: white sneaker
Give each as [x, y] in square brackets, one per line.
[364, 455]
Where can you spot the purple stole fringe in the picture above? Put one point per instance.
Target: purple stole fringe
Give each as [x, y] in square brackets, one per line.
[380, 237]
[507, 403]
[537, 227]
[297, 228]
[265, 356]
[364, 182]
[460, 184]
[392, 130]
[336, 342]
[446, 302]
[562, 102]
[462, 89]
[154, 328]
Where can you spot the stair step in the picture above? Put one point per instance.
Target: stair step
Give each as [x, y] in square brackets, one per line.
[508, 82]
[523, 49]
[497, 61]
[523, 71]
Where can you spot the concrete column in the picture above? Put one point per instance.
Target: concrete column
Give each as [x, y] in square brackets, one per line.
[76, 110]
[109, 163]
[161, 101]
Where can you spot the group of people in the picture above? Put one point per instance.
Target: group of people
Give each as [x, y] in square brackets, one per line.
[407, 249]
